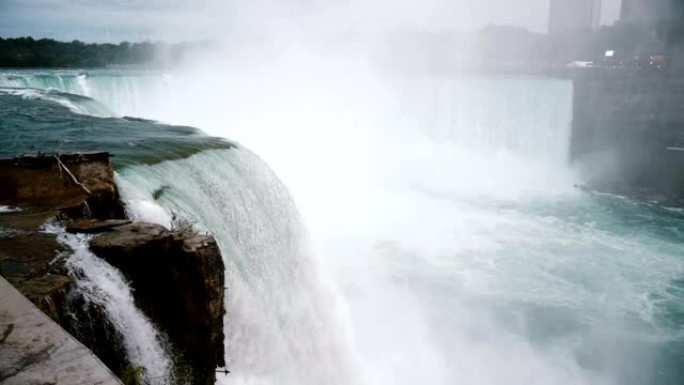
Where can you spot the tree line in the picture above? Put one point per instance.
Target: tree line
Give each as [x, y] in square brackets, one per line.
[27, 52]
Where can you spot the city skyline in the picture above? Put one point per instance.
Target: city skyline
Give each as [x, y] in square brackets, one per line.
[176, 20]
[574, 15]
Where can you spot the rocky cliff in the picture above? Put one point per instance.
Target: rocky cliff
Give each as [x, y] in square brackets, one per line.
[177, 275]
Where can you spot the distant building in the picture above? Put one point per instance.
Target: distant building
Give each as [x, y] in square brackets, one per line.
[648, 11]
[574, 16]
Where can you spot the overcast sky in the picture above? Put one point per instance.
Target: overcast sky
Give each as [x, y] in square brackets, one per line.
[173, 20]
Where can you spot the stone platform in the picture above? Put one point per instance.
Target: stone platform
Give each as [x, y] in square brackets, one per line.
[35, 350]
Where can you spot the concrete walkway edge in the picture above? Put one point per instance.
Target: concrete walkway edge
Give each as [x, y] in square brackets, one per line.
[36, 350]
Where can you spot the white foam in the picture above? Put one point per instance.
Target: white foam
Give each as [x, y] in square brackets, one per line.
[141, 206]
[84, 107]
[102, 284]
[282, 325]
[442, 208]
[9, 209]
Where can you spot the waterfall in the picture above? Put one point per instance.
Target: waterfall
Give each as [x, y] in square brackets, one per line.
[281, 325]
[426, 230]
[443, 216]
[102, 284]
[75, 103]
[125, 93]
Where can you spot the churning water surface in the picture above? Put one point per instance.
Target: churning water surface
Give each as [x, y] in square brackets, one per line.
[413, 230]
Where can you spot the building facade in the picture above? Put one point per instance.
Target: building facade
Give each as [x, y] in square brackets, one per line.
[574, 16]
[649, 11]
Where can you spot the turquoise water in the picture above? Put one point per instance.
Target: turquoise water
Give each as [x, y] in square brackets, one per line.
[42, 121]
[423, 231]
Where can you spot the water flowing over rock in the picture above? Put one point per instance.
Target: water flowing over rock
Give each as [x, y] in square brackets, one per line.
[34, 350]
[177, 276]
[178, 281]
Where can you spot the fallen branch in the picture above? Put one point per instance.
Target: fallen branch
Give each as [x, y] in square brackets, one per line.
[62, 166]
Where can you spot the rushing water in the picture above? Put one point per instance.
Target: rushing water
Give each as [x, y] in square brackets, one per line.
[104, 285]
[433, 234]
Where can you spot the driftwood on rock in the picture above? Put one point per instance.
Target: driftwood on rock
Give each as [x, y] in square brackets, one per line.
[73, 178]
[38, 181]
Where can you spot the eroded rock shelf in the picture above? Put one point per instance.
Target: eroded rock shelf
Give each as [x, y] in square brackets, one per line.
[177, 275]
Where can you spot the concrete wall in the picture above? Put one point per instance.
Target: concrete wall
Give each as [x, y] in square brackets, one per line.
[628, 132]
[35, 350]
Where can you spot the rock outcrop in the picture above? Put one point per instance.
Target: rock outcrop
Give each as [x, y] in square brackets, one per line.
[77, 184]
[177, 276]
[179, 282]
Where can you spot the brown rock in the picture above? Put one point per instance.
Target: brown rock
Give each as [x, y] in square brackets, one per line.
[178, 282]
[27, 256]
[92, 226]
[48, 292]
[177, 277]
[199, 264]
[122, 240]
[62, 182]
[31, 259]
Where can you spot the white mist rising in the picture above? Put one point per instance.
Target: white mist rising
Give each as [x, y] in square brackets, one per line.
[444, 242]
[452, 247]
[389, 173]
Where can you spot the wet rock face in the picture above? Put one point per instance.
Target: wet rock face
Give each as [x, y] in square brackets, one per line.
[29, 261]
[88, 322]
[42, 187]
[93, 226]
[33, 261]
[147, 241]
[177, 276]
[71, 182]
[178, 282]
[197, 270]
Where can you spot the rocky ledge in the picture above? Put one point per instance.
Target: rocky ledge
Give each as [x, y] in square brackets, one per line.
[177, 275]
